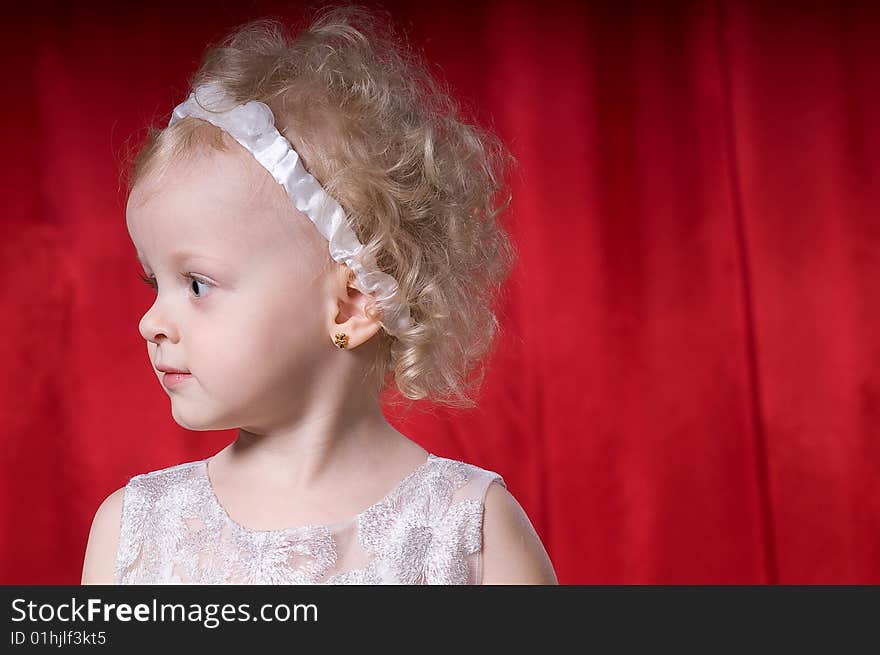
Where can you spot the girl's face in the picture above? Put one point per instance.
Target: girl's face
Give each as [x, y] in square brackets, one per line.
[243, 300]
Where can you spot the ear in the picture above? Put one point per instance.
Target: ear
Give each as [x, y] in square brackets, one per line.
[349, 315]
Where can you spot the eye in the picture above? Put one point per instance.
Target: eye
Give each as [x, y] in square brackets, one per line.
[195, 282]
[150, 281]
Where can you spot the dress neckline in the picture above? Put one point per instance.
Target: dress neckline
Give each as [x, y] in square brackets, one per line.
[215, 501]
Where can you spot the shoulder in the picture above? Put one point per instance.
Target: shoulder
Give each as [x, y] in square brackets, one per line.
[512, 551]
[100, 557]
[150, 486]
[108, 536]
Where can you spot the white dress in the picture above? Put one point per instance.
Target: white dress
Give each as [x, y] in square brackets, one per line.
[427, 530]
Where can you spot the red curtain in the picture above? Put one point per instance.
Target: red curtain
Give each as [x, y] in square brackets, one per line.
[686, 386]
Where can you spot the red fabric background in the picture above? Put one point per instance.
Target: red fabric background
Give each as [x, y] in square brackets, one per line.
[686, 389]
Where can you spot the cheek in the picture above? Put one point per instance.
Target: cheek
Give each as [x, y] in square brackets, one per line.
[271, 329]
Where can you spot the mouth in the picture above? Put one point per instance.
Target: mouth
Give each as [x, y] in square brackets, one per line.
[170, 369]
[170, 378]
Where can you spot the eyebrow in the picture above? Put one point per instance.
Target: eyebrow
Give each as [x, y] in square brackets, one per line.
[180, 255]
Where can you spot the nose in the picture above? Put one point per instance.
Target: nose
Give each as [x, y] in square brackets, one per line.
[154, 325]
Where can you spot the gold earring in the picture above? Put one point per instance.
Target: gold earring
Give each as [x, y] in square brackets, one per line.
[341, 340]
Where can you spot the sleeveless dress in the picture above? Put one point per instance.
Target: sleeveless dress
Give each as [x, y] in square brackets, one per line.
[426, 530]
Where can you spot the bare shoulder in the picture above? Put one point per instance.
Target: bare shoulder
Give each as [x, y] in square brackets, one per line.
[100, 559]
[512, 551]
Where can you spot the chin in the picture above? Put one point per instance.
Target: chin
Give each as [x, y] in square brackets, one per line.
[193, 420]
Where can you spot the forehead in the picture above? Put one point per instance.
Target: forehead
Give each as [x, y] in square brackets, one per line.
[222, 202]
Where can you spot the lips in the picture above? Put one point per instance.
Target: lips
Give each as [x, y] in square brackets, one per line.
[170, 369]
[173, 379]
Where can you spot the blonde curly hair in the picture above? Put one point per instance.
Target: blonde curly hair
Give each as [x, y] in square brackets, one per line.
[422, 186]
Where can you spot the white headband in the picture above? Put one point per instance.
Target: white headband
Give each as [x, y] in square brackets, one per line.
[252, 124]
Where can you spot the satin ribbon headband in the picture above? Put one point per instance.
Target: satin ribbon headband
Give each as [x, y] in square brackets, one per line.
[252, 124]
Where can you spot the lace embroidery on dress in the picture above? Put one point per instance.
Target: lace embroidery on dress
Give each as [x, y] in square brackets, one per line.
[427, 530]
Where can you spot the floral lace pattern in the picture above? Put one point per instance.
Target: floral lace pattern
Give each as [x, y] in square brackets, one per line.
[427, 530]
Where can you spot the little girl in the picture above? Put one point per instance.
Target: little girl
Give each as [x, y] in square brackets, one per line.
[316, 220]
